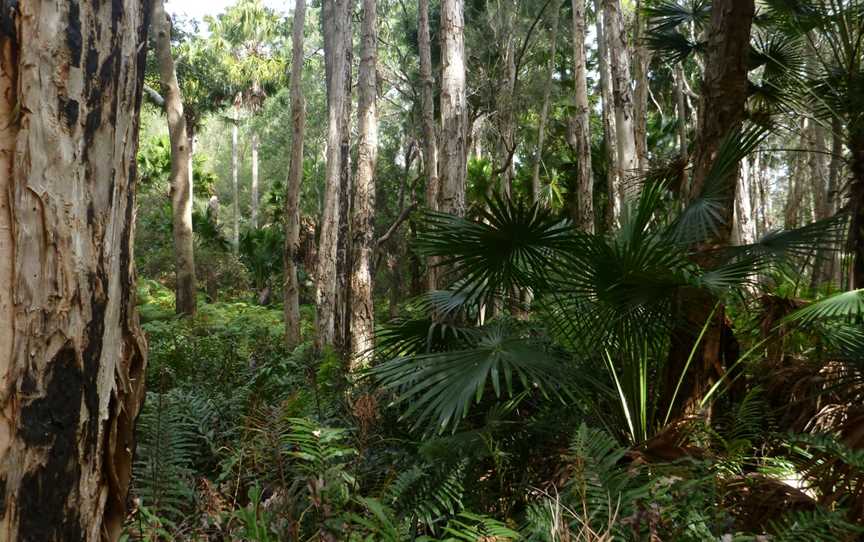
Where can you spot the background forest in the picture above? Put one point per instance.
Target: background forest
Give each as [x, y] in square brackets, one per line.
[534, 270]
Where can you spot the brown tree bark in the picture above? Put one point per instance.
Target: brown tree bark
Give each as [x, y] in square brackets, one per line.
[581, 125]
[181, 158]
[641, 63]
[335, 18]
[72, 356]
[295, 177]
[454, 112]
[363, 224]
[430, 139]
[721, 110]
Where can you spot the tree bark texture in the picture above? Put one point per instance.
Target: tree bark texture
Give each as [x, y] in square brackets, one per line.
[430, 138]
[613, 208]
[454, 112]
[72, 356]
[253, 218]
[363, 219]
[336, 32]
[622, 94]
[721, 110]
[295, 177]
[581, 128]
[346, 181]
[641, 64]
[235, 175]
[181, 171]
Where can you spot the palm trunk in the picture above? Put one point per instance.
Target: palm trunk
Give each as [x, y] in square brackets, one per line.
[71, 352]
[181, 158]
[622, 94]
[295, 178]
[454, 112]
[254, 214]
[613, 207]
[363, 224]
[235, 175]
[536, 186]
[335, 19]
[581, 129]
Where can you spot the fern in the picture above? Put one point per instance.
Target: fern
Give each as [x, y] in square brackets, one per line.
[814, 526]
[472, 527]
[427, 494]
[166, 447]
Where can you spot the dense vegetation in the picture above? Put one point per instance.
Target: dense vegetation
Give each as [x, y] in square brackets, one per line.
[677, 355]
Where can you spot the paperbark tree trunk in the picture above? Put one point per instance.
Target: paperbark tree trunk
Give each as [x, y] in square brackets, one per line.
[343, 250]
[72, 356]
[536, 186]
[295, 177]
[181, 157]
[581, 129]
[721, 110]
[454, 113]
[613, 208]
[336, 32]
[430, 139]
[642, 61]
[253, 219]
[363, 223]
[622, 93]
[745, 211]
[235, 175]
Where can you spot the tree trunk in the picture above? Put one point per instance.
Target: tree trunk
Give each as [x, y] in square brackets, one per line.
[622, 94]
[343, 250]
[856, 194]
[295, 177]
[71, 352]
[335, 21]
[745, 211]
[430, 141]
[181, 156]
[536, 186]
[581, 128]
[640, 94]
[613, 208]
[254, 212]
[505, 97]
[363, 223]
[235, 175]
[681, 110]
[721, 110]
[454, 112]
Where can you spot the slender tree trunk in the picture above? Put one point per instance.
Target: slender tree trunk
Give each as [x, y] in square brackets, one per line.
[505, 95]
[622, 94]
[581, 125]
[363, 224]
[613, 176]
[745, 212]
[856, 194]
[834, 168]
[336, 32]
[181, 156]
[235, 175]
[295, 178]
[343, 250]
[721, 110]
[254, 214]
[430, 141]
[642, 57]
[536, 186]
[681, 110]
[71, 352]
[454, 112]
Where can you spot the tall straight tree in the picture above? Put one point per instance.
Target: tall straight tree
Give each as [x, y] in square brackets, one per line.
[454, 108]
[71, 352]
[613, 207]
[622, 93]
[181, 156]
[235, 174]
[295, 177]
[360, 304]
[581, 125]
[430, 139]
[335, 19]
